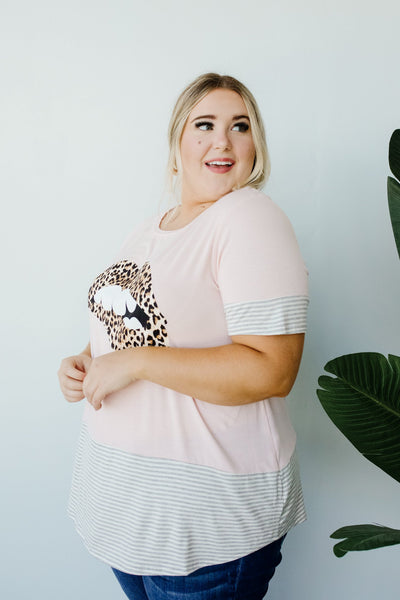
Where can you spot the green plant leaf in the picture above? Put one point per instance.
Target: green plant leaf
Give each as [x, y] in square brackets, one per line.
[393, 192]
[364, 537]
[394, 153]
[363, 401]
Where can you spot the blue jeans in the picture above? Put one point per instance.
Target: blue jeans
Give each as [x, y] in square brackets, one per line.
[245, 578]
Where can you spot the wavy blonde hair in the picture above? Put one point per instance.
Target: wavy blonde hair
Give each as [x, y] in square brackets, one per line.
[189, 97]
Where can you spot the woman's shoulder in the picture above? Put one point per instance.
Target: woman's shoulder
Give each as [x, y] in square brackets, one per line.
[247, 192]
[249, 204]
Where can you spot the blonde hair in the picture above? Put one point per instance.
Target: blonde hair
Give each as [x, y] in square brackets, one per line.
[189, 97]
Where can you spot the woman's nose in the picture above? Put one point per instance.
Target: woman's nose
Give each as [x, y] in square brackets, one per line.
[222, 141]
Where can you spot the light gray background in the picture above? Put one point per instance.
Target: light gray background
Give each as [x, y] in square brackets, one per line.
[87, 90]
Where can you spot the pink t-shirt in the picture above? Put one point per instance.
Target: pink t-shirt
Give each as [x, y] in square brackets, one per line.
[165, 483]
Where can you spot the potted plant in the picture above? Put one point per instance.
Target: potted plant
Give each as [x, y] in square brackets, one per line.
[363, 399]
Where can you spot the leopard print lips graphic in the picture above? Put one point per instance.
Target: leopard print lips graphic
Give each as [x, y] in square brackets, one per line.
[122, 299]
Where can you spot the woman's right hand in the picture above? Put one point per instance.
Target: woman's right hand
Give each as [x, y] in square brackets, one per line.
[71, 374]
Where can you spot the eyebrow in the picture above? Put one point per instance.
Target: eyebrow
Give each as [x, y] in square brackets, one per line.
[236, 118]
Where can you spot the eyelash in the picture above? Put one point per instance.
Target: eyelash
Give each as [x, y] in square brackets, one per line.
[244, 125]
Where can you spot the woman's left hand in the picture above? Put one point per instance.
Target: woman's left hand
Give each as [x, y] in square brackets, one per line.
[108, 373]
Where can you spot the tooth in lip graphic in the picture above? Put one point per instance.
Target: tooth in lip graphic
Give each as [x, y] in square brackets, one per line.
[114, 298]
[106, 295]
[220, 162]
[123, 302]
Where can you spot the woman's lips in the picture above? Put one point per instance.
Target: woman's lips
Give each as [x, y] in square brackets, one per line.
[219, 169]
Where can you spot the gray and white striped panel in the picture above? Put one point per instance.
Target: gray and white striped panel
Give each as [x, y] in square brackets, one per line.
[155, 516]
[267, 317]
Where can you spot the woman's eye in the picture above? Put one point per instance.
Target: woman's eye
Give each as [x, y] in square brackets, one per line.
[243, 126]
[205, 125]
[202, 124]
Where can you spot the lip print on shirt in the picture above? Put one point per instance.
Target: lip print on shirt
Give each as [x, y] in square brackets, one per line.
[122, 299]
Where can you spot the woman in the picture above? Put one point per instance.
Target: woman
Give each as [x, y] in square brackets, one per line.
[186, 480]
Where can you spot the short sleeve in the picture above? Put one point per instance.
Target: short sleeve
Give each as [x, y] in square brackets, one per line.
[260, 272]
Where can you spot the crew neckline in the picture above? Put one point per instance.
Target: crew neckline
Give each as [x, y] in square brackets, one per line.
[160, 217]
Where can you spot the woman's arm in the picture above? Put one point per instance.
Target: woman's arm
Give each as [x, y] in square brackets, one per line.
[252, 368]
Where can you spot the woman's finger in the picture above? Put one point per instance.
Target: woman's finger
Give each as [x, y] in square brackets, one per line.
[74, 373]
[71, 384]
[93, 395]
[86, 389]
[66, 383]
[75, 366]
[97, 399]
[73, 396]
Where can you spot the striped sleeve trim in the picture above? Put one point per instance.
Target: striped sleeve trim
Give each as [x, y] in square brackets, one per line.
[267, 317]
[126, 507]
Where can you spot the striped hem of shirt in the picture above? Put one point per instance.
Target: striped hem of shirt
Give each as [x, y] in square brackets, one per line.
[154, 516]
[267, 317]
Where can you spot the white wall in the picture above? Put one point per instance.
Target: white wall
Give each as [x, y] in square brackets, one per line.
[87, 90]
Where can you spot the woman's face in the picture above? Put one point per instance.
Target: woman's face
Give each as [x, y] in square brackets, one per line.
[214, 131]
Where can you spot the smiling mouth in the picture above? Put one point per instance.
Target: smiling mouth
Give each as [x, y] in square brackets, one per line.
[216, 168]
